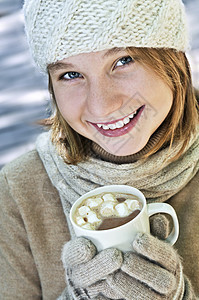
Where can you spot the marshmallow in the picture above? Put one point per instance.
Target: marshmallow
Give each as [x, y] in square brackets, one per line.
[92, 217]
[83, 210]
[108, 197]
[122, 209]
[88, 218]
[88, 226]
[80, 221]
[94, 202]
[132, 204]
[107, 209]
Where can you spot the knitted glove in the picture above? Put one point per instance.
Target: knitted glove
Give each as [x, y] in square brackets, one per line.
[153, 271]
[83, 268]
[160, 226]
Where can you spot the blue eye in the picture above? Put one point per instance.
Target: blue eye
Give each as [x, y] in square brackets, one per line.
[124, 61]
[70, 76]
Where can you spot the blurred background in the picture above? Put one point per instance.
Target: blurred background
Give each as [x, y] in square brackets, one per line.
[24, 96]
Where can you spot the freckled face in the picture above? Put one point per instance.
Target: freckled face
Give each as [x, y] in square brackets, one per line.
[111, 99]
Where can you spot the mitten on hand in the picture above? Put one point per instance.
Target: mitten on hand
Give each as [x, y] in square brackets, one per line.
[153, 271]
[86, 271]
[159, 226]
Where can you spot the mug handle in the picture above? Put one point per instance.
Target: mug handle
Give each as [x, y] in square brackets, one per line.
[154, 208]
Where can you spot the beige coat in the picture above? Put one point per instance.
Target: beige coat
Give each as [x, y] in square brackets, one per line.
[33, 230]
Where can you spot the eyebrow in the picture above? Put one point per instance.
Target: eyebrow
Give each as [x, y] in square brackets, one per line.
[59, 66]
[63, 65]
[113, 51]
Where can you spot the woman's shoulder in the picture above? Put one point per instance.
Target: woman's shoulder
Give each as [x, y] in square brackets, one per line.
[25, 180]
[25, 166]
[193, 187]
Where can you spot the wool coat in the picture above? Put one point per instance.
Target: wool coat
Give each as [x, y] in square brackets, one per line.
[33, 230]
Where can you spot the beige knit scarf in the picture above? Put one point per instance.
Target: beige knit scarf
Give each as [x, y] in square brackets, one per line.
[155, 177]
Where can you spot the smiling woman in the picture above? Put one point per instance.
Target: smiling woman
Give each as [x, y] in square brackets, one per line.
[104, 92]
[131, 81]
[125, 113]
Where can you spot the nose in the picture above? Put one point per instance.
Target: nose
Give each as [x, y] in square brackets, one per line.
[103, 98]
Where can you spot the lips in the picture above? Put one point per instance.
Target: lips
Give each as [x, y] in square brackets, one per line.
[119, 131]
[117, 124]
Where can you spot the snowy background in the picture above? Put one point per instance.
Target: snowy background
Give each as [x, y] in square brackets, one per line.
[24, 97]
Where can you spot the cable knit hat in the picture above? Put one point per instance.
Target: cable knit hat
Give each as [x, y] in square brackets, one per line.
[57, 29]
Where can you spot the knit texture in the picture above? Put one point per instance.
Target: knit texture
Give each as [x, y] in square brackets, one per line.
[83, 269]
[39, 228]
[79, 250]
[72, 181]
[99, 152]
[153, 271]
[57, 29]
[85, 272]
[160, 226]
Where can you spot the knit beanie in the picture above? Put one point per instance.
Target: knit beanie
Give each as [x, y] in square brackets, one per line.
[57, 29]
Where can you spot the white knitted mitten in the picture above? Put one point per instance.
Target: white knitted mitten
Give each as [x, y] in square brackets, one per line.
[160, 226]
[85, 273]
[153, 271]
[85, 268]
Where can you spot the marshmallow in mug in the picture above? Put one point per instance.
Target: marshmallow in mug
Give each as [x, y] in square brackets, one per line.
[92, 211]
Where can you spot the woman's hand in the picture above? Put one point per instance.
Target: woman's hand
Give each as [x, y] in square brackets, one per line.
[86, 271]
[106, 275]
[160, 226]
[153, 271]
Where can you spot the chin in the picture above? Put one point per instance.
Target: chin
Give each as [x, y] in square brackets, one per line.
[125, 150]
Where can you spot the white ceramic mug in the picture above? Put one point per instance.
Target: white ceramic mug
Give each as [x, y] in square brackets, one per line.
[121, 237]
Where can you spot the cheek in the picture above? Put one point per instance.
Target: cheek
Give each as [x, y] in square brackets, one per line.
[64, 106]
[165, 100]
[67, 102]
[160, 96]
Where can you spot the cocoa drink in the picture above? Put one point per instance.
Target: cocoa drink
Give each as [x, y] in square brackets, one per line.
[107, 211]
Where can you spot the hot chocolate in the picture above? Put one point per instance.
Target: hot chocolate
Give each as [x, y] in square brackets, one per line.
[107, 210]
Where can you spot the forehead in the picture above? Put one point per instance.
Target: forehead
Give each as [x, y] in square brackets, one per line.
[72, 60]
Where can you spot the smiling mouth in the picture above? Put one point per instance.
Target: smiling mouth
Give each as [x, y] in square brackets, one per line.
[121, 127]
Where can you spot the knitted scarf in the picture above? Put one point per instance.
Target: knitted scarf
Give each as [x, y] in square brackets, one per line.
[155, 177]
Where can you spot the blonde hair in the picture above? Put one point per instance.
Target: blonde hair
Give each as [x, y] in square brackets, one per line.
[173, 68]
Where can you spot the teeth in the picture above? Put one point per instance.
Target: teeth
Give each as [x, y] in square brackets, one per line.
[132, 115]
[105, 127]
[112, 126]
[118, 124]
[126, 120]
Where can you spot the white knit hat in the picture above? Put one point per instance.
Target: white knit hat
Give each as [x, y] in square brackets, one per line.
[57, 29]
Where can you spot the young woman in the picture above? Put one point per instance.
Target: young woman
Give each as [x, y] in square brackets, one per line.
[125, 112]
